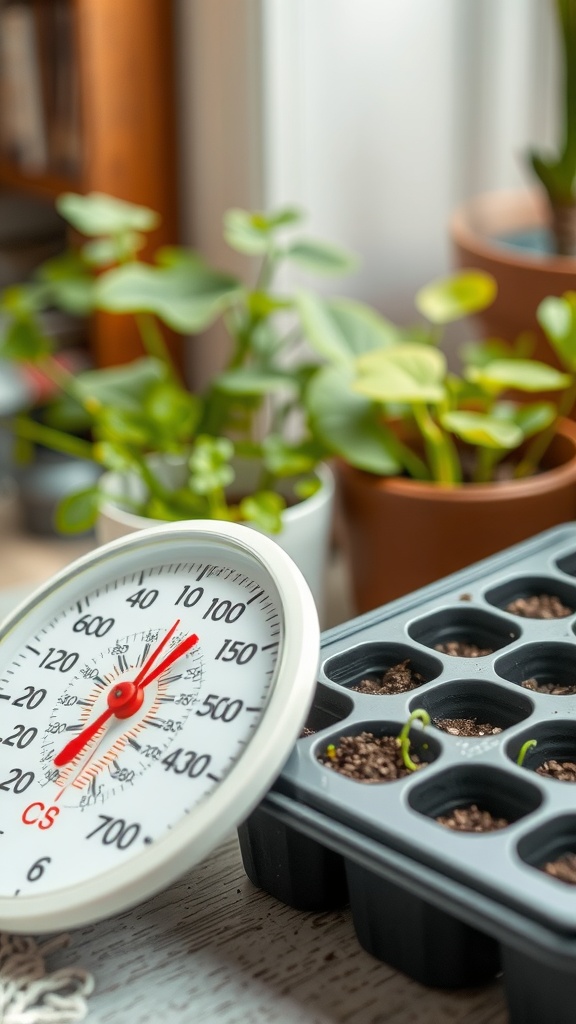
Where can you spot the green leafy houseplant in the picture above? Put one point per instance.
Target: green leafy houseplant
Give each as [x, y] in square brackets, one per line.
[386, 401]
[557, 174]
[120, 416]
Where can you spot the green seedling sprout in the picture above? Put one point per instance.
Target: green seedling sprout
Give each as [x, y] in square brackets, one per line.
[524, 750]
[403, 739]
[331, 751]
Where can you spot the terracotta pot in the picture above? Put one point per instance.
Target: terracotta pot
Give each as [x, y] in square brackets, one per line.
[400, 534]
[524, 277]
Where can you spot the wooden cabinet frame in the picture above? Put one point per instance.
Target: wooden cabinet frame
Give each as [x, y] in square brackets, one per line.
[125, 60]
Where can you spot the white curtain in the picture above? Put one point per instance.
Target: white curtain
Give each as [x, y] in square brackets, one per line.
[375, 116]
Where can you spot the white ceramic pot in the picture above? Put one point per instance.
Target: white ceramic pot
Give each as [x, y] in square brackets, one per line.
[305, 535]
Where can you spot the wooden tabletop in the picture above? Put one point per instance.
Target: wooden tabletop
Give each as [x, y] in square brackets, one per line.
[212, 948]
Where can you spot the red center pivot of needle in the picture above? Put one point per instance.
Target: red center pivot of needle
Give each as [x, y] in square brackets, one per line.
[125, 699]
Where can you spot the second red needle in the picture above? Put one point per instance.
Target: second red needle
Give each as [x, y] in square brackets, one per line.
[125, 698]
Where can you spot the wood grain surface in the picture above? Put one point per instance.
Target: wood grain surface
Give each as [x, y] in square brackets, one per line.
[213, 949]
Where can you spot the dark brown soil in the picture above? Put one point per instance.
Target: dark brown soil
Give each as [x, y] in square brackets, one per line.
[564, 771]
[368, 758]
[306, 731]
[466, 727]
[396, 679]
[539, 606]
[471, 819]
[563, 868]
[554, 689]
[463, 649]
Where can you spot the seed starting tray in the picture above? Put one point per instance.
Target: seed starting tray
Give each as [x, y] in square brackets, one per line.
[448, 908]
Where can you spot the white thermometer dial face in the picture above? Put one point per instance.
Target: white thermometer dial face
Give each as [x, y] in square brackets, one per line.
[130, 698]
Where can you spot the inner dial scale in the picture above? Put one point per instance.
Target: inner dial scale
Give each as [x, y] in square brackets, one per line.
[132, 690]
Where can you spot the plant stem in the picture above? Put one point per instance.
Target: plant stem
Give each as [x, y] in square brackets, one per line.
[59, 441]
[152, 483]
[539, 445]
[566, 12]
[403, 738]
[441, 451]
[58, 375]
[412, 463]
[154, 342]
[267, 270]
[524, 750]
[486, 460]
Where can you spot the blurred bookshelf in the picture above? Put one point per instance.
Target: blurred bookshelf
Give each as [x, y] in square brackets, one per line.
[87, 103]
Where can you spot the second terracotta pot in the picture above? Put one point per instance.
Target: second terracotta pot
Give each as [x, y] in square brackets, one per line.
[524, 277]
[400, 534]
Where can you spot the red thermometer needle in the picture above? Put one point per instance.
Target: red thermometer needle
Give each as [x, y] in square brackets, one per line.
[182, 648]
[125, 699]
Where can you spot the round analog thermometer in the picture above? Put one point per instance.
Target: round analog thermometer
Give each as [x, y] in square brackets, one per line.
[149, 695]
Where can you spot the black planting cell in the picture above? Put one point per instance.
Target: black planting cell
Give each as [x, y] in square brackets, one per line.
[549, 664]
[290, 866]
[464, 625]
[483, 701]
[537, 992]
[491, 789]
[427, 747]
[567, 564]
[555, 740]
[548, 842]
[532, 586]
[329, 706]
[407, 932]
[371, 660]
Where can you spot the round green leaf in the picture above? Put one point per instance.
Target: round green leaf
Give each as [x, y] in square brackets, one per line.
[519, 374]
[403, 373]
[125, 427]
[186, 296]
[283, 459]
[557, 318]
[102, 252]
[347, 424]
[124, 386]
[69, 283]
[284, 217]
[321, 257]
[100, 214]
[114, 456]
[247, 232]
[209, 464]
[479, 429]
[252, 232]
[77, 512]
[254, 382]
[23, 341]
[172, 410]
[459, 295]
[534, 417]
[24, 300]
[264, 509]
[341, 329]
